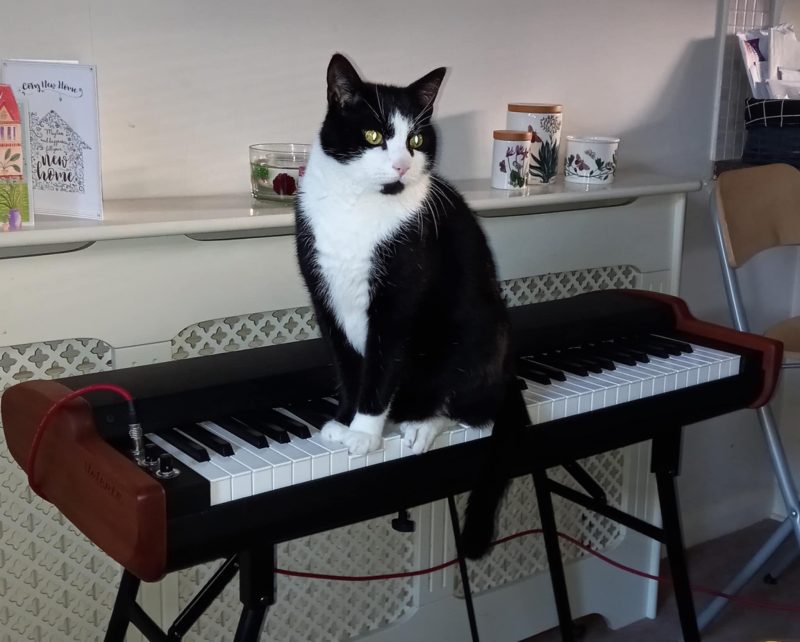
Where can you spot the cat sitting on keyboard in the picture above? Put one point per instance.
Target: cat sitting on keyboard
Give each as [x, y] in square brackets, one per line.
[403, 283]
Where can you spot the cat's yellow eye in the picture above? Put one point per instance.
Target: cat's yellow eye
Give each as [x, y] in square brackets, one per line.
[373, 137]
[415, 141]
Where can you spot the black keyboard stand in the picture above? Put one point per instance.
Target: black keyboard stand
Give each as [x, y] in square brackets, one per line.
[256, 568]
[664, 463]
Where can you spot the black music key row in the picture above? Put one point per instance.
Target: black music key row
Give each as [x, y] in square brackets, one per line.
[255, 427]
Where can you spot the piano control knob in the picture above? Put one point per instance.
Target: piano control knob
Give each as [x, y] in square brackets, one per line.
[150, 455]
[166, 469]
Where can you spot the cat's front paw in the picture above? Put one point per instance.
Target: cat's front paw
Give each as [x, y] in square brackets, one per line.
[361, 443]
[333, 431]
[418, 436]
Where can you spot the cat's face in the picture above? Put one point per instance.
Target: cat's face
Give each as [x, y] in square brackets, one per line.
[381, 135]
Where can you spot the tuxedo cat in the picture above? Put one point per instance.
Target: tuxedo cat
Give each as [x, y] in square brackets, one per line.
[403, 283]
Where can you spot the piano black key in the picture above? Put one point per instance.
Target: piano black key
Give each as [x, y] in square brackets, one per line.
[682, 346]
[604, 363]
[641, 343]
[551, 372]
[626, 349]
[323, 406]
[240, 430]
[530, 371]
[208, 439]
[309, 414]
[582, 361]
[185, 445]
[290, 425]
[563, 364]
[619, 356]
[257, 420]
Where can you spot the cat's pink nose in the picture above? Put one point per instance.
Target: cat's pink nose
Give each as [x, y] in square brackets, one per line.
[401, 169]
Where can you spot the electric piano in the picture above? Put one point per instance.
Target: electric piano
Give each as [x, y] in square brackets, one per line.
[234, 461]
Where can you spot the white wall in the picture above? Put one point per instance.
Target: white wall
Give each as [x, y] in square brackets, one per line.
[184, 87]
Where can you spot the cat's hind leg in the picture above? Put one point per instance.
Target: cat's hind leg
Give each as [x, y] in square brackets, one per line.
[420, 435]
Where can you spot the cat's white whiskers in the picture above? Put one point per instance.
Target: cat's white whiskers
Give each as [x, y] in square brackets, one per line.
[372, 109]
[380, 103]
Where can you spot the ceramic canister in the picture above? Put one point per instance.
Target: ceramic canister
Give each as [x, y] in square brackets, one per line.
[544, 122]
[591, 159]
[510, 158]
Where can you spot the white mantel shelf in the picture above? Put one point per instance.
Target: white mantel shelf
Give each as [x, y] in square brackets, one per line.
[242, 215]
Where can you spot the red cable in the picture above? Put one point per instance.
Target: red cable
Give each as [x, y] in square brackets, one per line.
[534, 531]
[45, 422]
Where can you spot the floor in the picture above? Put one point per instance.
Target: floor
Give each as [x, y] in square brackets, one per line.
[711, 565]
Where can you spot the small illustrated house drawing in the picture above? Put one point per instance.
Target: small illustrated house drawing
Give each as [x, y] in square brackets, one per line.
[10, 136]
[57, 153]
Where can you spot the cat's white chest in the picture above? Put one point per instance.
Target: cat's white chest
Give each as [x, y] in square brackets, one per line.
[345, 263]
[349, 223]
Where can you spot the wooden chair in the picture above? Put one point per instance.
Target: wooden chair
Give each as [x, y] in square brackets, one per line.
[755, 209]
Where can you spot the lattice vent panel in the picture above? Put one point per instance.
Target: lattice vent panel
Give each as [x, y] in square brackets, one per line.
[295, 324]
[248, 331]
[310, 610]
[525, 556]
[55, 585]
[561, 285]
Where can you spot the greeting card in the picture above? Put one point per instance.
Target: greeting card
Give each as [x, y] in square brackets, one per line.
[15, 200]
[63, 134]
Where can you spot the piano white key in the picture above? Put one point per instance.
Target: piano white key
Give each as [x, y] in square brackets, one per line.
[279, 466]
[320, 457]
[391, 446]
[456, 435]
[241, 476]
[338, 454]
[301, 462]
[219, 482]
[375, 457]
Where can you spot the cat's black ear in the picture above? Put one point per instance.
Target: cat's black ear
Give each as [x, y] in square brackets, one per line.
[427, 87]
[344, 82]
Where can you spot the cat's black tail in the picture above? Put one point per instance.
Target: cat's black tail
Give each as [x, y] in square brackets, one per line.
[479, 524]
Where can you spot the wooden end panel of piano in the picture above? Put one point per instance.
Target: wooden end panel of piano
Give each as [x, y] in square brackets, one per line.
[104, 494]
[771, 350]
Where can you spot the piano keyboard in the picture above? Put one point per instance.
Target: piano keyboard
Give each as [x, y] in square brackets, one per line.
[251, 453]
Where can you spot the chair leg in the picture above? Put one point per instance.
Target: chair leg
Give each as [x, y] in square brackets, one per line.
[714, 608]
[783, 473]
[791, 524]
[462, 567]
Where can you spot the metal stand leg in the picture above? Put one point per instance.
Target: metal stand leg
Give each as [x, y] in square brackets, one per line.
[256, 591]
[120, 615]
[462, 567]
[207, 594]
[665, 458]
[557, 577]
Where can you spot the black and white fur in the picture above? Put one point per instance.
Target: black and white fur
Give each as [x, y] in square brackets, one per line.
[402, 281]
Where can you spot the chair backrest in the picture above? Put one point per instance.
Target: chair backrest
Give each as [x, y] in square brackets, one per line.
[758, 208]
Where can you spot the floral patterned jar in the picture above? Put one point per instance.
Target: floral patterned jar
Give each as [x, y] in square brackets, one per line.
[510, 158]
[544, 123]
[591, 159]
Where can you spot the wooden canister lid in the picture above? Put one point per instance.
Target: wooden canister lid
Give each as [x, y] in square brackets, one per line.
[512, 134]
[534, 108]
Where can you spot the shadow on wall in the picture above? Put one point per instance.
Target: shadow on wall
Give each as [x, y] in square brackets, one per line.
[461, 139]
[675, 132]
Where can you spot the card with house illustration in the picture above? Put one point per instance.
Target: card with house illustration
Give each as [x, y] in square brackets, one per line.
[63, 135]
[16, 202]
